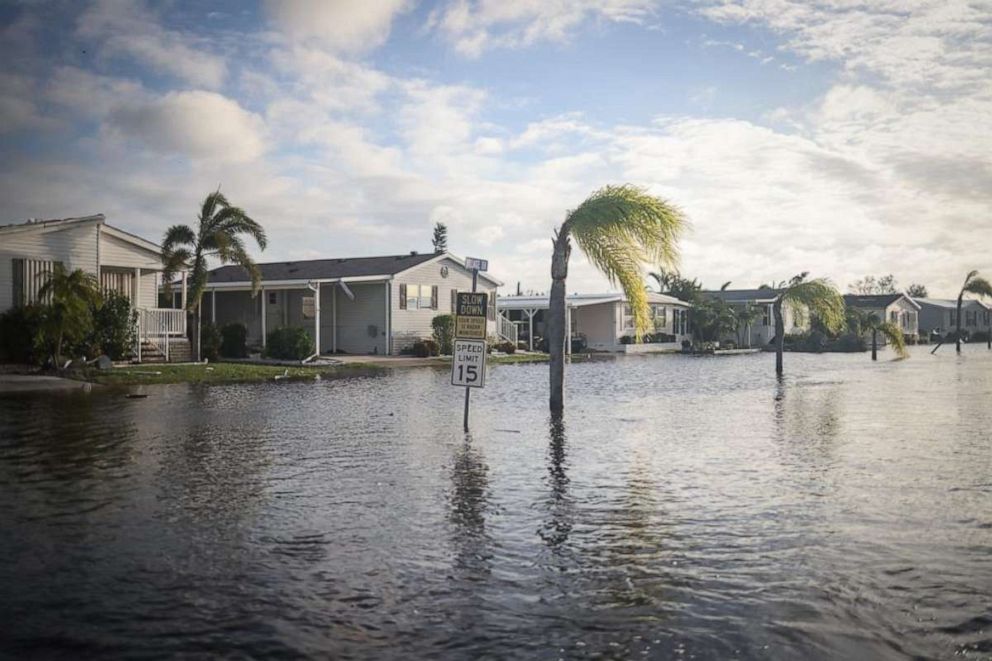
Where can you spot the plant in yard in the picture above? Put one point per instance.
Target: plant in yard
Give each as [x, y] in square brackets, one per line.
[744, 317]
[443, 329]
[973, 284]
[219, 233]
[619, 228]
[114, 323]
[210, 341]
[711, 318]
[67, 317]
[440, 238]
[861, 322]
[234, 341]
[818, 296]
[289, 343]
[19, 328]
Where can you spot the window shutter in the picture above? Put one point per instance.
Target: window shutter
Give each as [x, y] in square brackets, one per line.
[402, 297]
[454, 301]
[433, 297]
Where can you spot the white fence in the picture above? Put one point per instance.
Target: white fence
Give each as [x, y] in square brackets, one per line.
[506, 329]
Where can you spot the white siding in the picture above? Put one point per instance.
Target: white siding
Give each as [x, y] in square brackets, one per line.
[412, 325]
[115, 252]
[75, 246]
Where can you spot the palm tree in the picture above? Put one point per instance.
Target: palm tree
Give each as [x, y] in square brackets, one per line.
[973, 284]
[619, 228]
[860, 322]
[818, 296]
[71, 296]
[744, 317]
[219, 232]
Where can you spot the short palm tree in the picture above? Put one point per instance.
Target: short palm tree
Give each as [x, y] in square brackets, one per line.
[860, 322]
[219, 232]
[71, 296]
[619, 228]
[973, 284]
[818, 296]
[744, 317]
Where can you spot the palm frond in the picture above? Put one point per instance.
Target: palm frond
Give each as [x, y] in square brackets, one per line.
[210, 204]
[820, 297]
[178, 235]
[979, 286]
[234, 220]
[895, 337]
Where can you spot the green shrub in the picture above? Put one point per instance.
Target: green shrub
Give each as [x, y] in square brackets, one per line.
[425, 348]
[506, 347]
[443, 326]
[210, 341]
[626, 339]
[234, 341]
[18, 329]
[113, 330]
[290, 343]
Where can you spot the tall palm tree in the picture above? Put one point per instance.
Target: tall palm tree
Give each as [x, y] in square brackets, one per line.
[71, 296]
[818, 296]
[619, 228]
[860, 322]
[973, 284]
[219, 232]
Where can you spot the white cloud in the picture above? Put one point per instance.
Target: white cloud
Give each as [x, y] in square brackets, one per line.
[476, 26]
[344, 25]
[199, 125]
[121, 28]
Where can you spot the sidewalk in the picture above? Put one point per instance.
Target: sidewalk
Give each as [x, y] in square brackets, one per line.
[18, 383]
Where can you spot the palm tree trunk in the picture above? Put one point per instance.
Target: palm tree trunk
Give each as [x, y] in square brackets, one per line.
[556, 319]
[874, 344]
[958, 334]
[779, 335]
[194, 320]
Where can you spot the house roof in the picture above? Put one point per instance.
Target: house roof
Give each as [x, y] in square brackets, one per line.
[875, 301]
[37, 224]
[743, 295]
[332, 268]
[948, 303]
[577, 300]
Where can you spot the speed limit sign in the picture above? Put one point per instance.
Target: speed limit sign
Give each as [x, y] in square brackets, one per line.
[468, 364]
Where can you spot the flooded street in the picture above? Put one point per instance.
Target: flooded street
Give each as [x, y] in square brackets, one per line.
[685, 508]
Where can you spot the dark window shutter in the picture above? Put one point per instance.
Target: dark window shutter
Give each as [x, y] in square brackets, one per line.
[402, 297]
[454, 301]
[433, 297]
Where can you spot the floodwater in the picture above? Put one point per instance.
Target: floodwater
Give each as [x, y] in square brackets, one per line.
[685, 508]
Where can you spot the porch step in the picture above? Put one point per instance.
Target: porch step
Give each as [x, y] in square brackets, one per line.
[180, 351]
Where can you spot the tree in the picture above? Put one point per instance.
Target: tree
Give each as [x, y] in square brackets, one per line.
[818, 296]
[440, 239]
[869, 285]
[917, 291]
[973, 284]
[619, 228]
[743, 318]
[673, 284]
[711, 319]
[219, 233]
[67, 316]
[861, 322]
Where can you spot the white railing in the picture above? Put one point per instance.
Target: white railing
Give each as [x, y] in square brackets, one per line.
[506, 329]
[161, 322]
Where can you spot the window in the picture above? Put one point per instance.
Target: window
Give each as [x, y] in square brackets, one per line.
[766, 317]
[29, 275]
[628, 318]
[272, 298]
[660, 313]
[418, 297]
[680, 322]
[894, 317]
[954, 318]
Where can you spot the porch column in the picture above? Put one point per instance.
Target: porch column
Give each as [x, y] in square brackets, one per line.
[316, 317]
[530, 328]
[213, 307]
[389, 319]
[334, 319]
[182, 299]
[136, 299]
[262, 296]
[568, 329]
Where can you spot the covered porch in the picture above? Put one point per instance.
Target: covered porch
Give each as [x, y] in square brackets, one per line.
[342, 315]
[160, 331]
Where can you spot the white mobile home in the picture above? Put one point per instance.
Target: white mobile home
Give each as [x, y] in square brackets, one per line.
[940, 316]
[897, 309]
[359, 305]
[119, 260]
[603, 320]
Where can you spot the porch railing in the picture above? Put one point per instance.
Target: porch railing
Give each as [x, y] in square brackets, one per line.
[506, 329]
[157, 325]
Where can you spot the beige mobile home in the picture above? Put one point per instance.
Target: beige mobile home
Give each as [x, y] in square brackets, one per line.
[358, 305]
[120, 260]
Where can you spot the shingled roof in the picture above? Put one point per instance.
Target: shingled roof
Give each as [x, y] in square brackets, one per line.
[874, 301]
[320, 269]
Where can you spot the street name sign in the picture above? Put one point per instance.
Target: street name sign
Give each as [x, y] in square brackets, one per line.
[470, 315]
[476, 264]
[468, 364]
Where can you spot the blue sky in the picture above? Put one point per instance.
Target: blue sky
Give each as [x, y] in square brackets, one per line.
[843, 139]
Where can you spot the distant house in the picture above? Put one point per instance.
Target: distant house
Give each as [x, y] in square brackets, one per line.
[121, 262]
[359, 305]
[898, 309]
[605, 320]
[762, 330]
[940, 316]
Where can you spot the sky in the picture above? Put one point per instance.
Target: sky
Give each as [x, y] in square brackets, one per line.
[839, 137]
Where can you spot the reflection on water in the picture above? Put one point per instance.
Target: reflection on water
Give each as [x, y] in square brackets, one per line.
[684, 507]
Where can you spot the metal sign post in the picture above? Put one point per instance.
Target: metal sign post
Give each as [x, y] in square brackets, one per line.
[468, 360]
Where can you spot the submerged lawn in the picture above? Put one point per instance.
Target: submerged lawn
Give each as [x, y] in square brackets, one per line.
[218, 373]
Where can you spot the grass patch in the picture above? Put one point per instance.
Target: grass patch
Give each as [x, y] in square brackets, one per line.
[217, 373]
